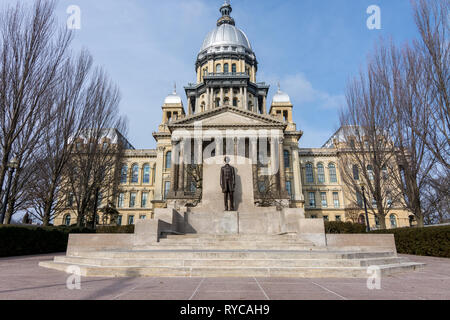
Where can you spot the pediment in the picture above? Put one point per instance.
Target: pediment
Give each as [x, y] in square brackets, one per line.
[228, 117]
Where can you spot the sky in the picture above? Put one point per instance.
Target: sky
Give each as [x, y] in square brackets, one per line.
[311, 47]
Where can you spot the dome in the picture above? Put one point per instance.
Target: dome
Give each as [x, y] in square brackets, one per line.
[226, 37]
[281, 97]
[173, 98]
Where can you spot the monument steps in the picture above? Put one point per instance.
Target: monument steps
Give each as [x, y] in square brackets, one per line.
[232, 254]
[270, 263]
[296, 272]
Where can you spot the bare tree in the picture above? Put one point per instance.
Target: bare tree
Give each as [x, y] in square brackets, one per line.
[367, 152]
[66, 118]
[32, 52]
[93, 170]
[433, 48]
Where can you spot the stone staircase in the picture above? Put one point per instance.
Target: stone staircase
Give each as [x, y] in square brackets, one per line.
[233, 256]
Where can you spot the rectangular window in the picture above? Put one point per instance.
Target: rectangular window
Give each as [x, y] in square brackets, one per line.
[99, 200]
[289, 188]
[359, 199]
[146, 178]
[338, 218]
[313, 216]
[312, 200]
[166, 189]
[325, 218]
[132, 199]
[336, 200]
[130, 220]
[119, 220]
[144, 200]
[120, 200]
[142, 217]
[323, 198]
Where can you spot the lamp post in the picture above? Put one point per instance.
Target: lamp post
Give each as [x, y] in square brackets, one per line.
[12, 166]
[363, 189]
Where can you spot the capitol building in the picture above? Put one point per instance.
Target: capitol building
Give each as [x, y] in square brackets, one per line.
[228, 114]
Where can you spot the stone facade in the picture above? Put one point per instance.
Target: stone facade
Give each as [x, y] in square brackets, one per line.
[227, 115]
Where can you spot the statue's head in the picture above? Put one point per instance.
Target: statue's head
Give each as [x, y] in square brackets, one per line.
[227, 160]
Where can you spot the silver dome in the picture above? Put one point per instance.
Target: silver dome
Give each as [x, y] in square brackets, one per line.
[224, 38]
[281, 97]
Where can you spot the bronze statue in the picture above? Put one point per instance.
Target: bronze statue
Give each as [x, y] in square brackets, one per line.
[228, 183]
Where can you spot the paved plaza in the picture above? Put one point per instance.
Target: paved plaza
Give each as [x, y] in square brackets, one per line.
[22, 278]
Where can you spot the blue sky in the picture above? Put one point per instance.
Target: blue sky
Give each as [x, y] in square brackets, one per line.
[312, 47]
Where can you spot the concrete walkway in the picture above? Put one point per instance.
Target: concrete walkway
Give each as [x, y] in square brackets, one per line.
[22, 278]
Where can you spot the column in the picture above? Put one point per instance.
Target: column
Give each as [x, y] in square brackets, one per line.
[273, 158]
[245, 98]
[189, 105]
[297, 175]
[264, 105]
[241, 98]
[197, 104]
[173, 167]
[231, 96]
[222, 97]
[211, 101]
[282, 168]
[159, 173]
[181, 168]
[255, 103]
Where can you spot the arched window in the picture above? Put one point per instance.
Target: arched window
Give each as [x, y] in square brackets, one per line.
[362, 219]
[370, 172]
[67, 220]
[384, 172]
[393, 220]
[235, 102]
[287, 159]
[355, 172]
[309, 173]
[135, 174]
[320, 173]
[146, 177]
[169, 160]
[226, 68]
[124, 174]
[233, 68]
[332, 172]
[218, 68]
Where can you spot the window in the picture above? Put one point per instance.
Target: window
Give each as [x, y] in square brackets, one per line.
[235, 102]
[312, 200]
[169, 160]
[325, 218]
[309, 173]
[393, 220]
[338, 218]
[337, 205]
[332, 172]
[124, 174]
[67, 220]
[289, 188]
[313, 216]
[233, 68]
[384, 172]
[362, 219]
[370, 172]
[142, 217]
[377, 221]
[105, 146]
[146, 177]
[218, 68]
[323, 199]
[132, 199]
[261, 186]
[130, 220]
[99, 199]
[352, 143]
[355, 172]
[225, 68]
[135, 174]
[70, 201]
[144, 200]
[119, 220]
[359, 199]
[166, 189]
[287, 159]
[120, 200]
[320, 173]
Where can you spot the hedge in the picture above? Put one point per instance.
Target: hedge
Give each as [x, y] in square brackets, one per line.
[17, 240]
[333, 227]
[432, 241]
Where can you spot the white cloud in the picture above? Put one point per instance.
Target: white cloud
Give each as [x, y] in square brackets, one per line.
[301, 91]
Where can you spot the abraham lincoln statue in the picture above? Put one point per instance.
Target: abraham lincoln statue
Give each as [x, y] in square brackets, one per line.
[228, 184]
